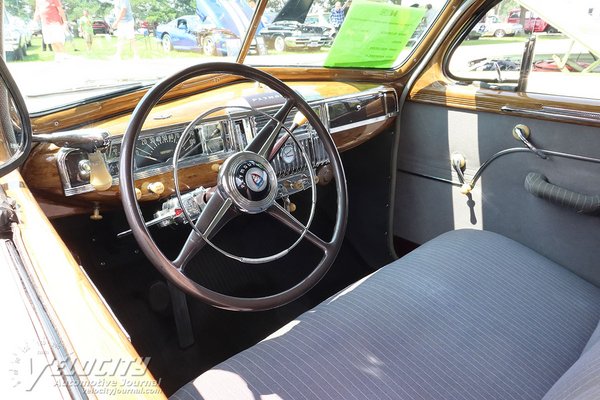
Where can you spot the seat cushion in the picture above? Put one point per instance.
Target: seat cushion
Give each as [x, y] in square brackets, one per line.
[468, 315]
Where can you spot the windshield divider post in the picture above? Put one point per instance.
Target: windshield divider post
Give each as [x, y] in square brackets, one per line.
[256, 18]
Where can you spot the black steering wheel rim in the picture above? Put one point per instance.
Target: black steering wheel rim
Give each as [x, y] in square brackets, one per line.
[141, 233]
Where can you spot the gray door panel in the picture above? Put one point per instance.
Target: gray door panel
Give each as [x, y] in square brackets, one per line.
[428, 198]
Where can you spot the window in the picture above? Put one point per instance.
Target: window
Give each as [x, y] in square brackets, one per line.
[102, 48]
[564, 40]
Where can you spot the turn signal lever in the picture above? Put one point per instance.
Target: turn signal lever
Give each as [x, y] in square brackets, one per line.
[92, 141]
[88, 140]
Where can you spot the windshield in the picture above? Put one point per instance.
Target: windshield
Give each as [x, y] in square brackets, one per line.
[68, 51]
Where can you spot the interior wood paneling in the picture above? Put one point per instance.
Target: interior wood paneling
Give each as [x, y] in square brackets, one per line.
[41, 170]
[88, 328]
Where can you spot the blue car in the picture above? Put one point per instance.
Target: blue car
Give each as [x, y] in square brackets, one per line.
[211, 31]
[185, 33]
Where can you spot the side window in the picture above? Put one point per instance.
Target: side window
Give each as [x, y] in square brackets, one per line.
[542, 46]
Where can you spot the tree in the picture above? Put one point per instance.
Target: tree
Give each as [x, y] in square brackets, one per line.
[161, 10]
[98, 9]
[21, 8]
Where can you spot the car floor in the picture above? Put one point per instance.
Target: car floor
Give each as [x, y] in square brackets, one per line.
[138, 295]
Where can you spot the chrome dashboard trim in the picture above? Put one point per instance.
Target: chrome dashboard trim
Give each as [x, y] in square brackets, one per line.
[360, 123]
[232, 139]
[69, 190]
[556, 113]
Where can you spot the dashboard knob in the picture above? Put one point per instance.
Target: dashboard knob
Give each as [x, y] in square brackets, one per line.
[84, 168]
[96, 216]
[324, 175]
[155, 187]
[298, 185]
[138, 193]
[215, 167]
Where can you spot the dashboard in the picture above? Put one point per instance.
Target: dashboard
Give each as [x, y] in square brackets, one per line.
[350, 118]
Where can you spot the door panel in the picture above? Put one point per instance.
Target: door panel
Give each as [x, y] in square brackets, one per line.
[428, 197]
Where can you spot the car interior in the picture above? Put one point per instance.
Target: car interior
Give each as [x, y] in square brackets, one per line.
[425, 230]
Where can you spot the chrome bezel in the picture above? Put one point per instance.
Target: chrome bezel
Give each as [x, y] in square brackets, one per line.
[226, 182]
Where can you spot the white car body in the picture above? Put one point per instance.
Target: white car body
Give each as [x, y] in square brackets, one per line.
[494, 27]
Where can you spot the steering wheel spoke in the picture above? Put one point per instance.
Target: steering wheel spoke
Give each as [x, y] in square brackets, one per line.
[216, 214]
[263, 142]
[282, 215]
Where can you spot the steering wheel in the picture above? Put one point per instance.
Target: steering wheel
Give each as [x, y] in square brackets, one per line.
[228, 199]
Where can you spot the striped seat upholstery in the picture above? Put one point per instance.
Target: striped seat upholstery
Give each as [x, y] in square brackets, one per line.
[469, 315]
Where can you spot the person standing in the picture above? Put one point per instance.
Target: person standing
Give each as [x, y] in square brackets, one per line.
[124, 27]
[86, 29]
[53, 20]
[337, 16]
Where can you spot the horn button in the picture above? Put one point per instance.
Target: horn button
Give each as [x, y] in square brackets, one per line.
[250, 181]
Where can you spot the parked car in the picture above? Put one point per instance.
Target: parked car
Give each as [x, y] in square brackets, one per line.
[230, 20]
[491, 25]
[101, 27]
[473, 34]
[16, 37]
[284, 35]
[294, 28]
[391, 227]
[22, 26]
[318, 19]
[190, 33]
[186, 33]
[532, 22]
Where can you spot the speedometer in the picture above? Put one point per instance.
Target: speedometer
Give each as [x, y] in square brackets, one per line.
[159, 149]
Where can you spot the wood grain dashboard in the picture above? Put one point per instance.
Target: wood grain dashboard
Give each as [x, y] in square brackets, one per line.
[354, 113]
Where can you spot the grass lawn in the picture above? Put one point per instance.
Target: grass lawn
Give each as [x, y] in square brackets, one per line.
[104, 47]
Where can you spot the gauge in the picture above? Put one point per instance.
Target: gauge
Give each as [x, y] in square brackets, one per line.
[211, 136]
[112, 158]
[288, 155]
[159, 149]
[114, 151]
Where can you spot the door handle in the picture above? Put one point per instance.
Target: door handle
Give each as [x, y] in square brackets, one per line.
[538, 185]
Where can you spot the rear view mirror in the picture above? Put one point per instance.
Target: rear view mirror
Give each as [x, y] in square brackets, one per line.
[15, 126]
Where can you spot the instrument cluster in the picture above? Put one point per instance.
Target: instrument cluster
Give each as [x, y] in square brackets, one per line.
[218, 138]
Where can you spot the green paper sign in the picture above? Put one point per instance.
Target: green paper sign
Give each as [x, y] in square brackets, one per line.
[373, 35]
